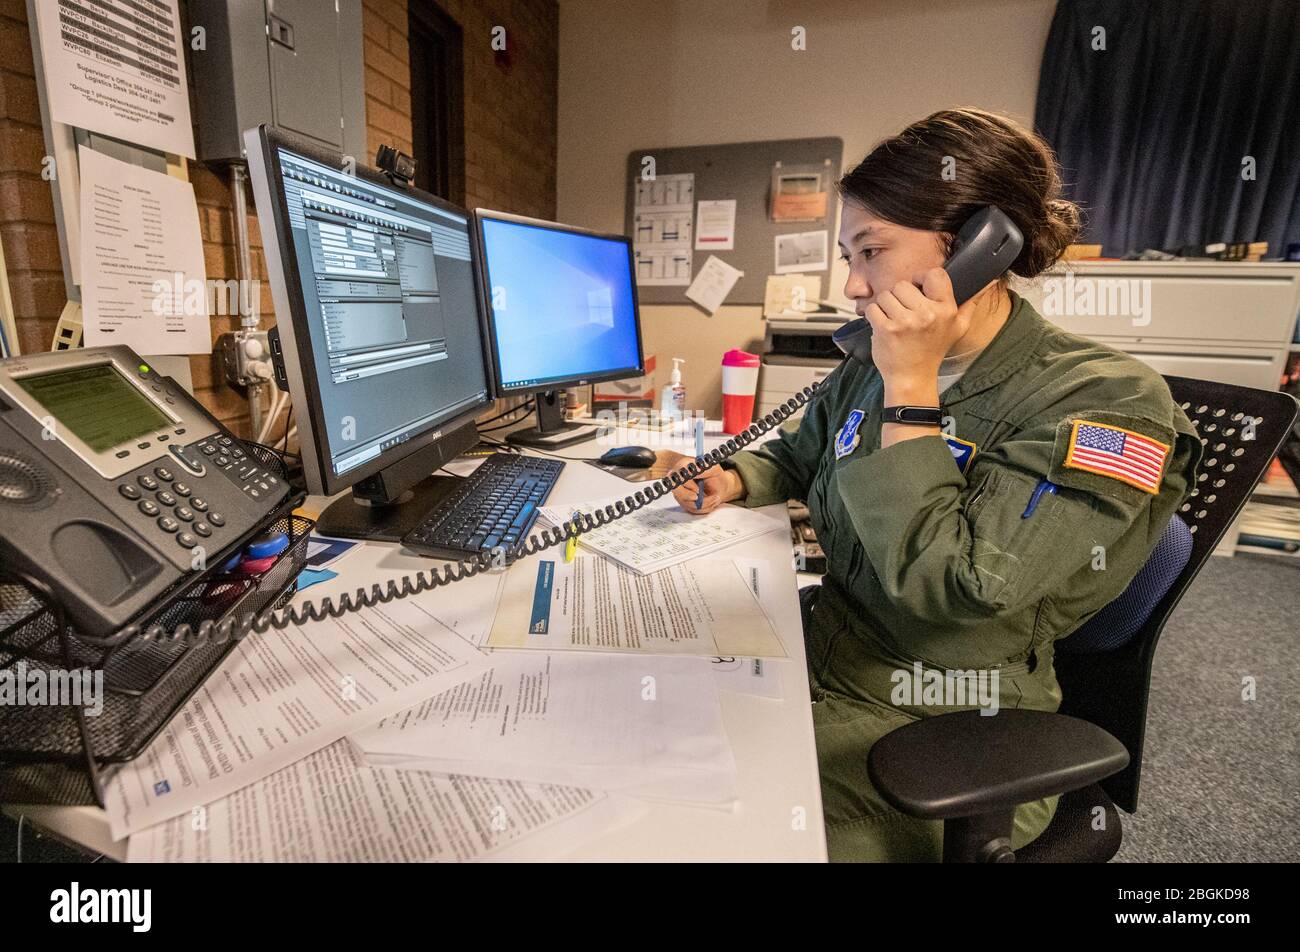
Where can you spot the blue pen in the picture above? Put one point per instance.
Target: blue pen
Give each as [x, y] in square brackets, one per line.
[699, 451]
[1044, 486]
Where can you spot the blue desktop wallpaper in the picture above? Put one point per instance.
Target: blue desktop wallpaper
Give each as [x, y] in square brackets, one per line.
[561, 303]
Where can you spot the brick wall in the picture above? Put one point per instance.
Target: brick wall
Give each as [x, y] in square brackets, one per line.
[510, 136]
[509, 109]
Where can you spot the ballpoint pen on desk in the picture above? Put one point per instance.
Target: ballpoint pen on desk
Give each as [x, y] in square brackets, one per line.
[699, 451]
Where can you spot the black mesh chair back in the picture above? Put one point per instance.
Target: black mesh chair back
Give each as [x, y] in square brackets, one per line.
[1240, 430]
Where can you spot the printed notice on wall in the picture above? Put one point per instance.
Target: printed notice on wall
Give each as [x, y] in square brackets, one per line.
[143, 279]
[118, 67]
[662, 221]
[715, 226]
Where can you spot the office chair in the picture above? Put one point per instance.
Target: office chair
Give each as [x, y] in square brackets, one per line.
[972, 771]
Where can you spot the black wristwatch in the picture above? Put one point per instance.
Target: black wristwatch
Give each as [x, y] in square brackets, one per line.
[913, 416]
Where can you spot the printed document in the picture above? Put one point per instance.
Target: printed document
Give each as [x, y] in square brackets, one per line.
[664, 534]
[118, 67]
[706, 607]
[328, 808]
[645, 726]
[282, 695]
[143, 278]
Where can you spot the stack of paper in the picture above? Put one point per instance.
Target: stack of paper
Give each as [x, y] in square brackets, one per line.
[410, 731]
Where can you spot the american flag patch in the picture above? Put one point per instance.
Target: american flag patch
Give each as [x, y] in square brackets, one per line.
[1121, 454]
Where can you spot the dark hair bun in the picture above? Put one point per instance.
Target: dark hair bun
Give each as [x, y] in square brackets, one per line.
[1056, 228]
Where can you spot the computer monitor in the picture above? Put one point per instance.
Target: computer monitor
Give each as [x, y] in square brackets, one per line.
[562, 311]
[381, 333]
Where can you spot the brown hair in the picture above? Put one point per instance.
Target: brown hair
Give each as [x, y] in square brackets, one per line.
[994, 161]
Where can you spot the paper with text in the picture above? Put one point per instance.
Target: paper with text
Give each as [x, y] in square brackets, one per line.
[664, 534]
[118, 67]
[633, 724]
[329, 808]
[705, 607]
[714, 282]
[143, 277]
[282, 695]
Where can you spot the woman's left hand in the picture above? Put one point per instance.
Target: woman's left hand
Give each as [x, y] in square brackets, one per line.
[913, 329]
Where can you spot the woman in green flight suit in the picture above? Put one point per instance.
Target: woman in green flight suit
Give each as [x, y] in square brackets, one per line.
[975, 546]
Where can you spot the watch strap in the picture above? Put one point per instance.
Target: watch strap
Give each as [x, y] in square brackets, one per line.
[913, 416]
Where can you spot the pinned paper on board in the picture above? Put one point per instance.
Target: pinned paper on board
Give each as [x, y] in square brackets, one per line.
[715, 225]
[714, 282]
[800, 192]
[791, 293]
[805, 251]
[662, 227]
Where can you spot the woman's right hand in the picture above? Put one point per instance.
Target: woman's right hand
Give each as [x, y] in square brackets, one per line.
[720, 485]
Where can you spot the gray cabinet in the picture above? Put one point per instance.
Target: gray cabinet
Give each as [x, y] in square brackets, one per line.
[1226, 321]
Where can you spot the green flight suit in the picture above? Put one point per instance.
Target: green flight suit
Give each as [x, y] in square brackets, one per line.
[930, 564]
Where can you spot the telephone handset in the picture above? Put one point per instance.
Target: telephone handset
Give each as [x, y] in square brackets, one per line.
[116, 485]
[983, 250]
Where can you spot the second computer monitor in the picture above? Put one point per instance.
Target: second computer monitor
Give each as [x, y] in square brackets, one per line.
[563, 312]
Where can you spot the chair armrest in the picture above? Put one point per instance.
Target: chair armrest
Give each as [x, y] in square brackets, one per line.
[965, 764]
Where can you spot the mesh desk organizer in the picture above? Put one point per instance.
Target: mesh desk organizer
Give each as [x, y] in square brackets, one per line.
[57, 754]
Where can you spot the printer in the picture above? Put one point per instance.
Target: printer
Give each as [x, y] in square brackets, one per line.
[797, 351]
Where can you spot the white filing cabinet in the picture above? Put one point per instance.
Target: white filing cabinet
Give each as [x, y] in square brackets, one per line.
[1226, 321]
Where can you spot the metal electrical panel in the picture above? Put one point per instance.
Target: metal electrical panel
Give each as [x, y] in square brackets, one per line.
[296, 64]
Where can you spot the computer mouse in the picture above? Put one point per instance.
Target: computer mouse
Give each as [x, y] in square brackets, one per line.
[637, 457]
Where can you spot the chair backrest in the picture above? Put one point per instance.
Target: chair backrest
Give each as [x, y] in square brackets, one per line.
[1119, 622]
[1241, 429]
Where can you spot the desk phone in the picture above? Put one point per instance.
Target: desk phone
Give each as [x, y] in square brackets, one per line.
[115, 484]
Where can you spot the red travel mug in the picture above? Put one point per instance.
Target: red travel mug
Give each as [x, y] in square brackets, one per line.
[739, 384]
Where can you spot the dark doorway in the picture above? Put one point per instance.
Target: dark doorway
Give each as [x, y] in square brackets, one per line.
[437, 101]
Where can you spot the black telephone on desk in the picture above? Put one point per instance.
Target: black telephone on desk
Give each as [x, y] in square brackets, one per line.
[984, 249]
[114, 481]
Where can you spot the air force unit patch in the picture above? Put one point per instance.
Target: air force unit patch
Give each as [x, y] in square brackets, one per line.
[847, 439]
[963, 451]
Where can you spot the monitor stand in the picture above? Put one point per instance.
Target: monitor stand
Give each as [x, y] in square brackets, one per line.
[552, 431]
[352, 517]
[387, 505]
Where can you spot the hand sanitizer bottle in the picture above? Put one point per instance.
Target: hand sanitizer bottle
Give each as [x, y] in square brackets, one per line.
[672, 399]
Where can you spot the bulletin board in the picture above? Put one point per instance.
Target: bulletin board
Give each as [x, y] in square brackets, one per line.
[741, 171]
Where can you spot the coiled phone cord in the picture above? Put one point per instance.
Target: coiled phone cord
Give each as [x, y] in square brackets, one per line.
[381, 593]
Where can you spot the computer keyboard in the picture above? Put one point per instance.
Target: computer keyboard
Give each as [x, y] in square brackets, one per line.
[496, 505]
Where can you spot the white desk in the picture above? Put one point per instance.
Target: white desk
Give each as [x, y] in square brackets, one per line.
[776, 758]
